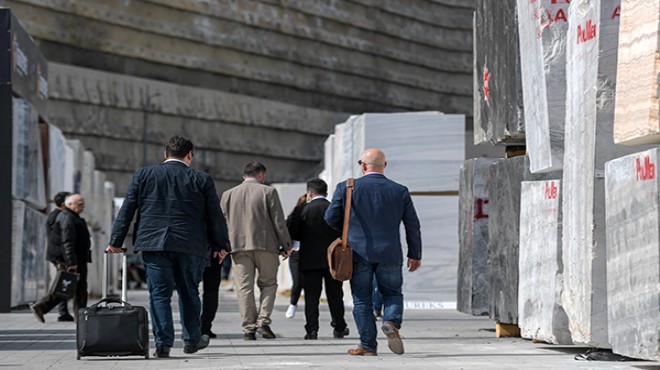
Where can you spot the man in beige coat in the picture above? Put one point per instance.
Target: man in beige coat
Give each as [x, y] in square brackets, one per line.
[258, 235]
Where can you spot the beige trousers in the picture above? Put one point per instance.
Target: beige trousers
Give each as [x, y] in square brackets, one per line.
[244, 268]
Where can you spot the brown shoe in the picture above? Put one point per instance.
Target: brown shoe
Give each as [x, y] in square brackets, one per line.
[359, 351]
[394, 342]
[38, 312]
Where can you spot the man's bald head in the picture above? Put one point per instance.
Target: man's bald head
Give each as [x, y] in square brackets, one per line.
[373, 160]
[75, 203]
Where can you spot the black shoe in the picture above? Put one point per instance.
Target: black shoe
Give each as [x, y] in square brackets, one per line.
[340, 333]
[312, 335]
[66, 317]
[210, 334]
[192, 348]
[265, 331]
[38, 312]
[249, 336]
[162, 352]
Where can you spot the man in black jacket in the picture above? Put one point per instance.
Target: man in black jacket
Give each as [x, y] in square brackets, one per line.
[74, 253]
[307, 225]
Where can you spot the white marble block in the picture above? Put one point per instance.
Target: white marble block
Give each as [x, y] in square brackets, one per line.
[541, 315]
[636, 115]
[87, 185]
[57, 158]
[590, 74]
[75, 156]
[473, 279]
[542, 29]
[29, 267]
[28, 182]
[633, 254]
[288, 194]
[424, 150]
[504, 181]
[498, 108]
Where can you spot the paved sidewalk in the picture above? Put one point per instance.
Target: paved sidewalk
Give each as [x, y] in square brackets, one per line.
[434, 339]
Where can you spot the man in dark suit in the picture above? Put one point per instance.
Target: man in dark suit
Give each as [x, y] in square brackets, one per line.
[307, 225]
[378, 207]
[178, 219]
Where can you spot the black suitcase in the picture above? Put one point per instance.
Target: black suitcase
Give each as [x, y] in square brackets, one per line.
[112, 327]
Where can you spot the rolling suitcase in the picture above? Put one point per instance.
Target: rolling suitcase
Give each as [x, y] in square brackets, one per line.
[112, 327]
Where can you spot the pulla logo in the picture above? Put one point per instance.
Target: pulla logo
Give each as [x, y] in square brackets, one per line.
[550, 190]
[587, 33]
[646, 170]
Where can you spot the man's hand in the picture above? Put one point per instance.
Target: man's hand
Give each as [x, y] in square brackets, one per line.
[220, 255]
[286, 253]
[111, 249]
[413, 265]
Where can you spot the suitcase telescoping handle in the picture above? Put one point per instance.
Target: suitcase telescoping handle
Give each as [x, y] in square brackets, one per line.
[105, 286]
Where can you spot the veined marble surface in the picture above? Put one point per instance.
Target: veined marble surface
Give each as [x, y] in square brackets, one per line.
[632, 194]
[29, 267]
[541, 314]
[28, 182]
[57, 158]
[542, 29]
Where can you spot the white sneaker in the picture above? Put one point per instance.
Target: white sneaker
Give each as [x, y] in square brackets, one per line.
[291, 312]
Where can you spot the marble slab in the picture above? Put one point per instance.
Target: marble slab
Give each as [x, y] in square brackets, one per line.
[87, 185]
[473, 279]
[74, 165]
[328, 163]
[424, 150]
[98, 202]
[504, 183]
[636, 114]
[542, 27]
[289, 194]
[498, 107]
[633, 254]
[29, 266]
[28, 182]
[541, 315]
[591, 62]
[57, 158]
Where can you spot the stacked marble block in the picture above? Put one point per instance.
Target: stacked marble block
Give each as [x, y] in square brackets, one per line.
[541, 313]
[633, 254]
[473, 277]
[591, 62]
[504, 206]
[636, 114]
[424, 152]
[543, 26]
[498, 108]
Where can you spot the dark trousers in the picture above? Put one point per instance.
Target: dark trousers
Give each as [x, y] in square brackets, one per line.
[297, 285]
[211, 283]
[49, 301]
[80, 299]
[312, 283]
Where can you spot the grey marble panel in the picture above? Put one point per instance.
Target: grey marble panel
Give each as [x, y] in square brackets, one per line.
[29, 267]
[74, 164]
[541, 315]
[590, 62]
[289, 194]
[542, 29]
[632, 194]
[28, 181]
[504, 182]
[498, 108]
[473, 278]
[57, 158]
[434, 285]
[87, 185]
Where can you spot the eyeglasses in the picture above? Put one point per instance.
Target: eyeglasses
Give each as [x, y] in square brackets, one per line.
[363, 163]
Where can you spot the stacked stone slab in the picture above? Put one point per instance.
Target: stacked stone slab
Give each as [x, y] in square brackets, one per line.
[504, 181]
[542, 29]
[541, 314]
[636, 115]
[498, 109]
[473, 277]
[591, 62]
[633, 268]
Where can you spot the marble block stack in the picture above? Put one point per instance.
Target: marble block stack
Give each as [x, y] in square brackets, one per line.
[504, 184]
[591, 61]
[636, 114]
[542, 29]
[424, 151]
[498, 109]
[541, 314]
[633, 255]
[473, 277]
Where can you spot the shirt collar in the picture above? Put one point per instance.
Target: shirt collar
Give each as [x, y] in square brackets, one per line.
[250, 179]
[373, 173]
[317, 197]
[175, 160]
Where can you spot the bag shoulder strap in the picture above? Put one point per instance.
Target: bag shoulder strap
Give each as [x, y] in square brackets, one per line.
[350, 183]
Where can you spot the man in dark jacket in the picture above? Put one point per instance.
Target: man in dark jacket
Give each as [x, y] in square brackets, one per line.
[75, 244]
[178, 217]
[55, 255]
[307, 225]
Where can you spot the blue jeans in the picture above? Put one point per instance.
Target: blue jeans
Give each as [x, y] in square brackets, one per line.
[164, 270]
[377, 297]
[390, 280]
